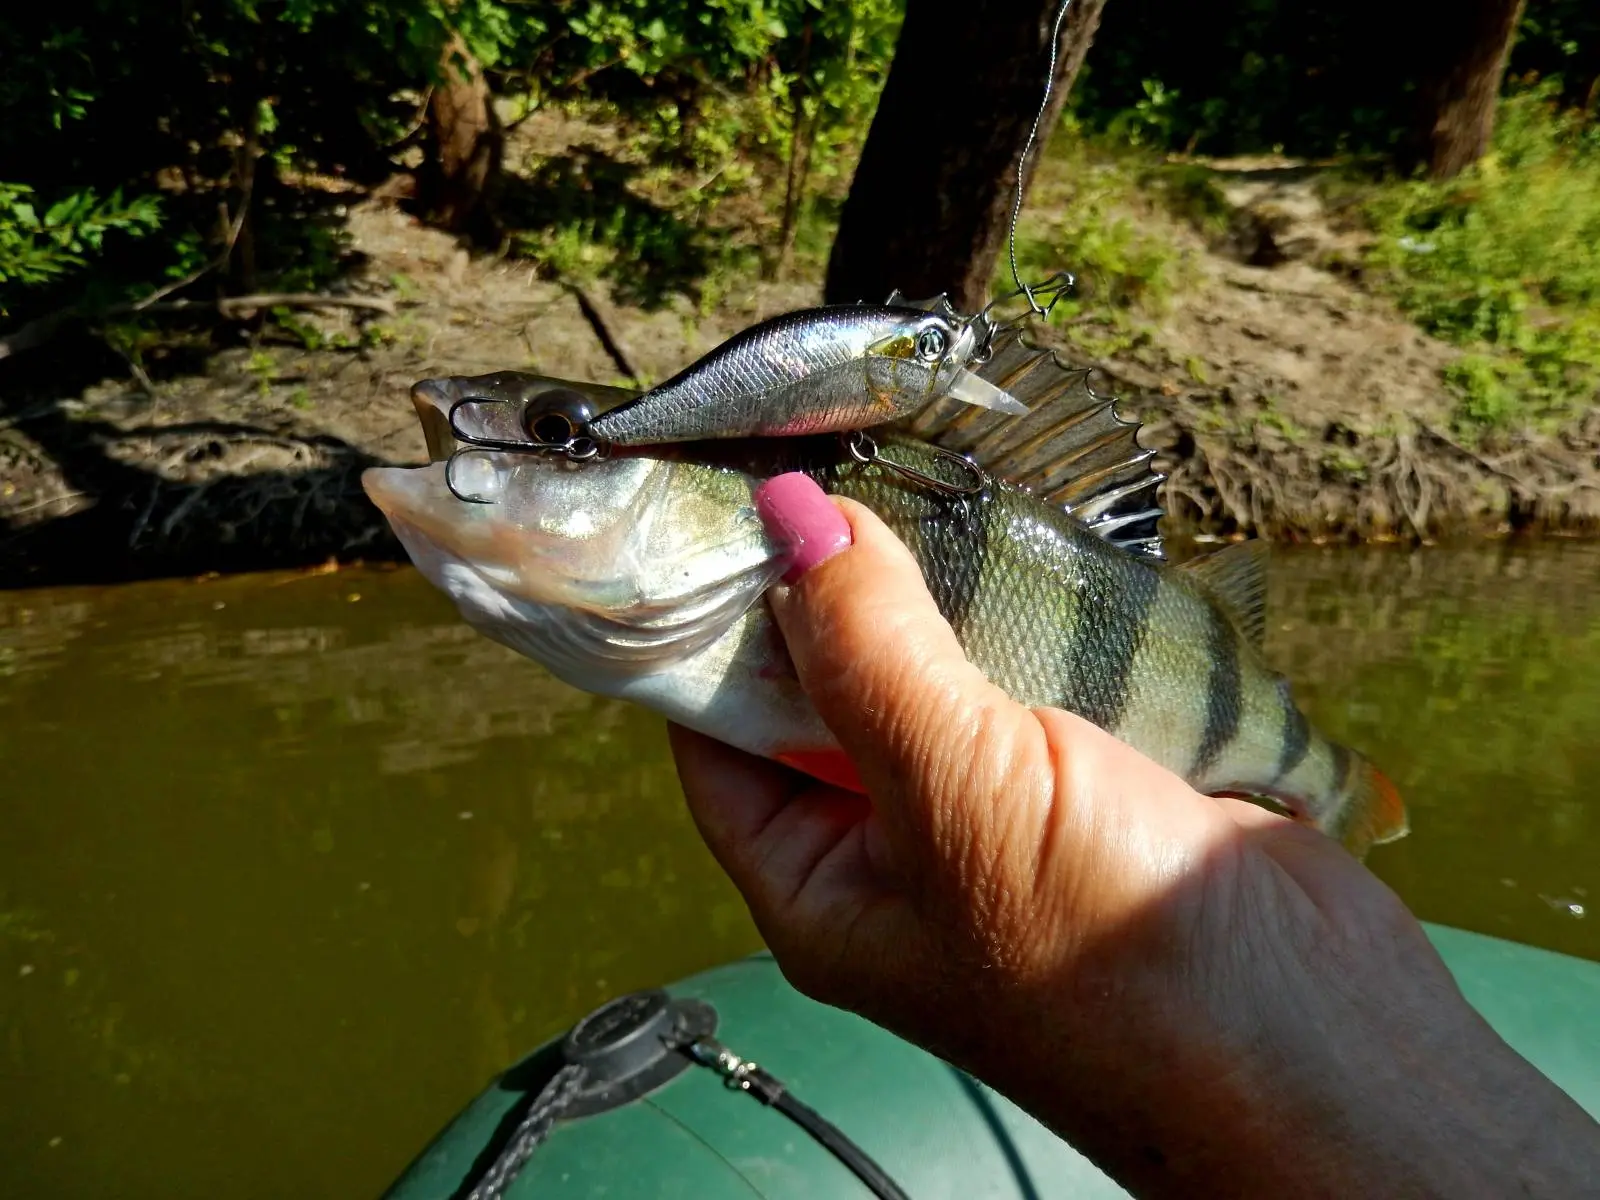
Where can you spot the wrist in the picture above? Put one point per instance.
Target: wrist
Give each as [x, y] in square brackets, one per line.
[1374, 1083]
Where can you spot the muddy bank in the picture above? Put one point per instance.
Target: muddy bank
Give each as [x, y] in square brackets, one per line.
[1284, 402]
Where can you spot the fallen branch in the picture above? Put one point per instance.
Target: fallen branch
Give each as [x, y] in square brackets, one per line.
[602, 331]
[232, 308]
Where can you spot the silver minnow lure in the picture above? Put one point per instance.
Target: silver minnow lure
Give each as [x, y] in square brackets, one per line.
[819, 370]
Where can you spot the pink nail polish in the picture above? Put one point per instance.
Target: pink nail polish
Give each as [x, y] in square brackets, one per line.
[799, 514]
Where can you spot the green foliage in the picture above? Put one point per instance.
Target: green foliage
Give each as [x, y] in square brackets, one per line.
[1505, 260]
[233, 103]
[717, 77]
[1150, 120]
[1113, 214]
[1253, 76]
[208, 106]
[38, 248]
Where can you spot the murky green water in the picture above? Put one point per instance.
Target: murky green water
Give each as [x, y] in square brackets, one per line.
[290, 865]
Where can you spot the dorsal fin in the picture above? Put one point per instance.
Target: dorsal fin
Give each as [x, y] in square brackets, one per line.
[933, 304]
[1236, 577]
[1072, 448]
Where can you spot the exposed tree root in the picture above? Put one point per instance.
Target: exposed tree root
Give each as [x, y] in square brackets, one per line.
[1418, 483]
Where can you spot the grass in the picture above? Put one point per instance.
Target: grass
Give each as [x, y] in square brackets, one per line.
[1105, 209]
[1505, 262]
[1113, 214]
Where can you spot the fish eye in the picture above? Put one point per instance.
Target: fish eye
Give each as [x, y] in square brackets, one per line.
[932, 343]
[558, 416]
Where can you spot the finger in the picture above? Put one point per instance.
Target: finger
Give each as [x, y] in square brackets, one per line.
[887, 675]
[782, 838]
[733, 796]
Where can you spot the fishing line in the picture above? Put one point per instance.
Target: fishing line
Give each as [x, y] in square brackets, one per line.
[1022, 165]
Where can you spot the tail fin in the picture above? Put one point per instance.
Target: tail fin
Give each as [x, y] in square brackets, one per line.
[1373, 811]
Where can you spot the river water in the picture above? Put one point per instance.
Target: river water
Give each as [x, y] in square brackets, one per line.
[291, 864]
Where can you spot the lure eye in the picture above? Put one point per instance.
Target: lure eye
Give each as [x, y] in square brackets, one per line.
[931, 344]
[558, 417]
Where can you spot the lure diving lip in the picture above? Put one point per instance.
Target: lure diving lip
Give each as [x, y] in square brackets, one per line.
[832, 369]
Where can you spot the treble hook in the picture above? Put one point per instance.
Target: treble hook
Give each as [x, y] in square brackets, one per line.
[864, 449]
[577, 447]
[450, 481]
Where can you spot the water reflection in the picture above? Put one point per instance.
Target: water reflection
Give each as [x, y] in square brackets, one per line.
[1473, 677]
[291, 864]
[288, 874]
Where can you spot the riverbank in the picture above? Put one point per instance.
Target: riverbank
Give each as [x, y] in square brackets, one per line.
[1286, 399]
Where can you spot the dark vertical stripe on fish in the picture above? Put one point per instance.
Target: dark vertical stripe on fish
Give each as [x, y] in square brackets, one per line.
[1296, 734]
[955, 544]
[1223, 699]
[1113, 603]
[1343, 760]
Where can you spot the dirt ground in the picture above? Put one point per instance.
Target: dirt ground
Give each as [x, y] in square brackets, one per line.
[1285, 400]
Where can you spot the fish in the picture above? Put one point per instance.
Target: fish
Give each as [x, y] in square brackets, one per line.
[641, 576]
[832, 369]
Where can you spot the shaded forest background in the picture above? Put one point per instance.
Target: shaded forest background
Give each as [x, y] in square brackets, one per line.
[147, 143]
[209, 213]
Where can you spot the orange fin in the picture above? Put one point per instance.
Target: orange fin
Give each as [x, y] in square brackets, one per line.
[831, 766]
[1376, 814]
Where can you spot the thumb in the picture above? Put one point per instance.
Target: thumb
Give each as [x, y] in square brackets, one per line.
[884, 669]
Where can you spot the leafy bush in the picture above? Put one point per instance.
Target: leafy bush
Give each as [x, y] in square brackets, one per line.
[1251, 76]
[1110, 212]
[1506, 260]
[207, 105]
[37, 249]
[234, 103]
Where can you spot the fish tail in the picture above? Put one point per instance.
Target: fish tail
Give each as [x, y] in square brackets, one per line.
[1371, 811]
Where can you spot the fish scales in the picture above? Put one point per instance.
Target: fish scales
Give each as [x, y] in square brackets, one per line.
[640, 577]
[1058, 617]
[1224, 698]
[824, 370]
[1049, 612]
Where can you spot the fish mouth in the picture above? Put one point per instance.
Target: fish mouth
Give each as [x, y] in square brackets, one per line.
[576, 605]
[444, 535]
[621, 560]
[408, 497]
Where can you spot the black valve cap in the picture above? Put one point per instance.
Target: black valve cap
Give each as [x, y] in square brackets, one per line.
[622, 1038]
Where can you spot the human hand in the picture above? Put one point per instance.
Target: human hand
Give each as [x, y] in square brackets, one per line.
[1202, 995]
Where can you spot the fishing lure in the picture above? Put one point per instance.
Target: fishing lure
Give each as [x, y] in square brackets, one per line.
[841, 368]
[820, 370]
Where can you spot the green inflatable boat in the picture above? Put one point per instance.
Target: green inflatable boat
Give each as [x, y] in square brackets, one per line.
[659, 1094]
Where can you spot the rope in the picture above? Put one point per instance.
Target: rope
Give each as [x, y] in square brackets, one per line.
[530, 1132]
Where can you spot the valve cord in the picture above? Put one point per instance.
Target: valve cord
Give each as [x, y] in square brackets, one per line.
[743, 1075]
[739, 1074]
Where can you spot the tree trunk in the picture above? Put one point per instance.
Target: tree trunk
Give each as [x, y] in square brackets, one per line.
[462, 170]
[1465, 49]
[931, 200]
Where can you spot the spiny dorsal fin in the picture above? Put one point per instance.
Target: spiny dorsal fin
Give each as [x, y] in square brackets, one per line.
[933, 304]
[1072, 448]
[1236, 577]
